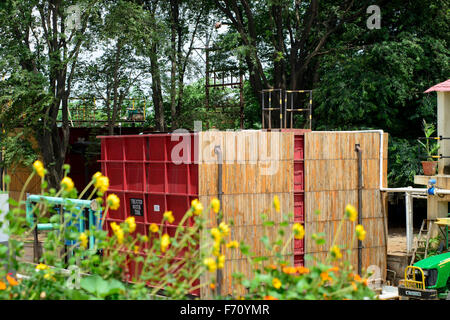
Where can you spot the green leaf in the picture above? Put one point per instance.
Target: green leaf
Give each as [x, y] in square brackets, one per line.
[101, 288]
[268, 223]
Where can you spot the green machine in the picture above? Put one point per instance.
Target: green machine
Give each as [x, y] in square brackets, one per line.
[427, 279]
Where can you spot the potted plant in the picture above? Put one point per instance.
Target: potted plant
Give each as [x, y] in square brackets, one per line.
[431, 148]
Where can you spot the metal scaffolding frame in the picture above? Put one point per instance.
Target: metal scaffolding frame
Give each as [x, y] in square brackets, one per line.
[286, 108]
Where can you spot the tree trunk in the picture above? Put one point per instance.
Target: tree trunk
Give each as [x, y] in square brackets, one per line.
[174, 24]
[156, 89]
[116, 103]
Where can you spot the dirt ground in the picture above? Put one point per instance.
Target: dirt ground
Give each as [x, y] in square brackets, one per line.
[397, 240]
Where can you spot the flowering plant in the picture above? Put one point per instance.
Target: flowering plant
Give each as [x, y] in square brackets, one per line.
[123, 264]
[331, 279]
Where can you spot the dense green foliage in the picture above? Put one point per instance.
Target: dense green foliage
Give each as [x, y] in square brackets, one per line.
[362, 78]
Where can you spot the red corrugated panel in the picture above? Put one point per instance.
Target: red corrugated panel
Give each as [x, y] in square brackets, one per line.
[134, 149]
[114, 171]
[147, 181]
[299, 207]
[299, 179]
[299, 246]
[299, 260]
[299, 146]
[299, 197]
[134, 176]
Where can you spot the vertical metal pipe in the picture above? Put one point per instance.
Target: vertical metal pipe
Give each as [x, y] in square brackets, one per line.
[270, 110]
[36, 256]
[292, 112]
[207, 76]
[262, 110]
[218, 152]
[409, 222]
[310, 109]
[285, 109]
[241, 98]
[281, 109]
[359, 153]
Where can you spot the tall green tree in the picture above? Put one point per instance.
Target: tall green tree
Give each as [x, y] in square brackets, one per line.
[118, 68]
[377, 78]
[40, 48]
[288, 36]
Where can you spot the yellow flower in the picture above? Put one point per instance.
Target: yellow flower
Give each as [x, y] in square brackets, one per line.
[113, 201]
[42, 266]
[351, 212]
[12, 282]
[197, 206]
[2, 285]
[131, 223]
[210, 263]
[114, 226]
[355, 288]
[272, 266]
[118, 232]
[67, 183]
[136, 249]
[224, 229]
[299, 231]
[119, 235]
[165, 241]
[276, 283]
[216, 248]
[336, 252]
[212, 286]
[49, 276]
[83, 240]
[302, 270]
[233, 244]
[39, 167]
[325, 277]
[270, 298]
[215, 204]
[97, 175]
[168, 216]
[333, 269]
[360, 232]
[289, 270]
[221, 261]
[101, 183]
[276, 203]
[357, 278]
[153, 228]
[215, 232]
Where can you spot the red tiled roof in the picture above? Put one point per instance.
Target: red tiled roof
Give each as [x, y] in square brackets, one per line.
[443, 86]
